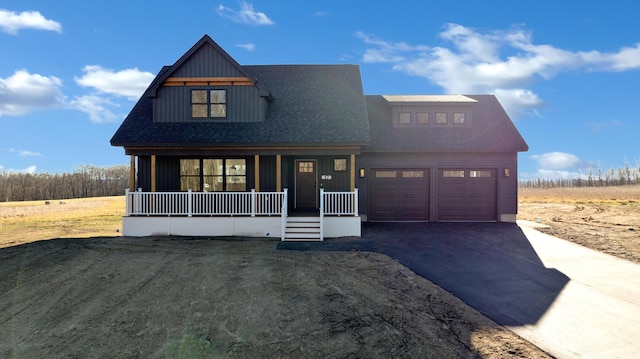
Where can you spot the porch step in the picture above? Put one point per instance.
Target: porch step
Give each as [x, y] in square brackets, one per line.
[302, 229]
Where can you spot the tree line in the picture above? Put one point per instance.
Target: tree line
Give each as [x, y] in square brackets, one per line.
[85, 181]
[596, 178]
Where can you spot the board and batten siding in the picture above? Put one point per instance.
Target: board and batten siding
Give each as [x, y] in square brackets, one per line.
[507, 201]
[244, 104]
[208, 62]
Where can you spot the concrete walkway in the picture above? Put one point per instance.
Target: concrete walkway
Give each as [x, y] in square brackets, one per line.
[597, 314]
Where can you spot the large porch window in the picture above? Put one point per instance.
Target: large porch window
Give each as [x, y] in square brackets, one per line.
[213, 174]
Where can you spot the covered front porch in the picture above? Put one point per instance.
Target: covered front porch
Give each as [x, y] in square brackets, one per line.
[247, 214]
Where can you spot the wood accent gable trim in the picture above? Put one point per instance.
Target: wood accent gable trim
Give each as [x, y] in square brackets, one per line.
[208, 81]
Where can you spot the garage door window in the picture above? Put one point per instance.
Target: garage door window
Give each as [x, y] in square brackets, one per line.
[479, 173]
[412, 174]
[453, 173]
[386, 174]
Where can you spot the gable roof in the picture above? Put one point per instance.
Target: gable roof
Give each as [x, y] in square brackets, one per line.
[491, 129]
[314, 105]
[205, 41]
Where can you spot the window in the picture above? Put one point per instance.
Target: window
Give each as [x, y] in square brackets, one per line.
[453, 173]
[412, 174]
[422, 118]
[213, 175]
[458, 118]
[209, 103]
[305, 167]
[441, 118]
[340, 164]
[404, 118]
[386, 174]
[480, 173]
[190, 175]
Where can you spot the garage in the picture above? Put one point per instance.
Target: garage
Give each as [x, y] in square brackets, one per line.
[399, 195]
[467, 194]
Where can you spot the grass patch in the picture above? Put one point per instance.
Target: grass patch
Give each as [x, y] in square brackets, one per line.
[23, 222]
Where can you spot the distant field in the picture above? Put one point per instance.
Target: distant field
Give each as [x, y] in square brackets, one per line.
[23, 222]
[611, 195]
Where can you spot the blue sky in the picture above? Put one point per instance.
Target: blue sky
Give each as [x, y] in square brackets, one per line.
[566, 72]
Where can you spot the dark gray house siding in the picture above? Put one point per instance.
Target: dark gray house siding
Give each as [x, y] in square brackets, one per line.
[244, 104]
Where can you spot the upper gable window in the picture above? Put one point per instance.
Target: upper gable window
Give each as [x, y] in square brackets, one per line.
[209, 103]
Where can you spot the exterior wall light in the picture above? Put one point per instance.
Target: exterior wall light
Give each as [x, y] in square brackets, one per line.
[362, 173]
[507, 173]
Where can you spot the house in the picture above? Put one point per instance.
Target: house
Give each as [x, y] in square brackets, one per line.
[300, 153]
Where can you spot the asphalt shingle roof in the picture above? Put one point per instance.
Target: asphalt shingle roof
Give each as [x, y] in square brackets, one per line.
[313, 105]
[490, 129]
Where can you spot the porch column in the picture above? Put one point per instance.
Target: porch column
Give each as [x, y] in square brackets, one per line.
[132, 173]
[353, 173]
[278, 173]
[257, 171]
[153, 173]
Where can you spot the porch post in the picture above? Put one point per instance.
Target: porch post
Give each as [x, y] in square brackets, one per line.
[132, 173]
[278, 173]
[153, 173]
[257, 171]
[353, 173]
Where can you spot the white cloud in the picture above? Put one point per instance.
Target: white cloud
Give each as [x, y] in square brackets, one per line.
[11, 22]
[556, 160]
[248, 47]
[96, 107]
[130, 83]
[30, 170]
[321, 13]
[246, 15]
[504, 63]
[25, 152]
[24, 92]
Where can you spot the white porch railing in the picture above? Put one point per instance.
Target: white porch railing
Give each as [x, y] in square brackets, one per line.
[339, 203]
[204, 203]
[234, 204]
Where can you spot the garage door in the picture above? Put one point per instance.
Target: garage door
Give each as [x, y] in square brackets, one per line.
[467, 195]
[399, 195]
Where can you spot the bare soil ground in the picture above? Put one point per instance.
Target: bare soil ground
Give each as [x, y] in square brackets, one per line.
[197, 298]
[118, 297]
[605, 219]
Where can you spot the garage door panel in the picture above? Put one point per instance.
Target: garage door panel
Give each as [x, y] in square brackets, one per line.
[399, 195]
[470, 196]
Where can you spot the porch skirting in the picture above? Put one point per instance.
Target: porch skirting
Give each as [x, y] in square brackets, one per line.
[237, 226]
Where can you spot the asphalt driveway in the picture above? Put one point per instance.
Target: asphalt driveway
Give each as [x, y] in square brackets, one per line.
[541, 287]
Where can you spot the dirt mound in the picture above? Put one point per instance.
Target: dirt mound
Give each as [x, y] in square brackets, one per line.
[194, 298]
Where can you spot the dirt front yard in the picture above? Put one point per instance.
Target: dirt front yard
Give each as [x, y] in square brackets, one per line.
[605, 219]
[196, 298]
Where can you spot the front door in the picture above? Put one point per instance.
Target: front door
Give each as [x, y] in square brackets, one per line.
[306, 191]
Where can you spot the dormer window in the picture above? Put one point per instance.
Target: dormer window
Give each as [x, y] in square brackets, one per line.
[208, 103]
[404, 118]
[458, 118]
[441, 118]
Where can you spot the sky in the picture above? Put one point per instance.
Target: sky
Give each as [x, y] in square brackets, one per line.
[567, 73]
